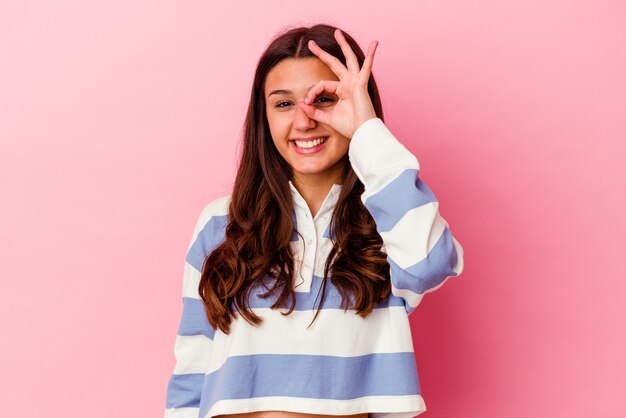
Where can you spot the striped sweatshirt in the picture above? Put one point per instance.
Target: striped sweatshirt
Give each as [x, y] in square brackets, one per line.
[343, 364]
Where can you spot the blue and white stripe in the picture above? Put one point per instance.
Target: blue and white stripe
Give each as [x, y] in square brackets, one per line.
[421, 250]
[194, 340]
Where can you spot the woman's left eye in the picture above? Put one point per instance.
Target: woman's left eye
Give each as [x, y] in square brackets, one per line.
[327, 98]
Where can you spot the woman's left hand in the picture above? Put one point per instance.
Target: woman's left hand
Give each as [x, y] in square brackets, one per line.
[354, 105]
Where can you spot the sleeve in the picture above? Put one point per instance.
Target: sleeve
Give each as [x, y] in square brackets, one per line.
[195, 335]
[421, 250]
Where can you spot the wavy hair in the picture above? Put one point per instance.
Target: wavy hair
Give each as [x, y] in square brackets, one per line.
[260, 226]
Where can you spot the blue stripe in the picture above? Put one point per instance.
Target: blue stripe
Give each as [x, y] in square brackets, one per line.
[430, 271]
[392, 202]
[184, 390]
[306, 300]
[193, 320]
[211, 235]
[311, 376]
[327, 233]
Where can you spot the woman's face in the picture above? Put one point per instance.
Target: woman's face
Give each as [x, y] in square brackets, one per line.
[285, 85]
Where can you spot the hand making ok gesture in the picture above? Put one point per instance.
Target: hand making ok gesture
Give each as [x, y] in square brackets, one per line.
[354, 105]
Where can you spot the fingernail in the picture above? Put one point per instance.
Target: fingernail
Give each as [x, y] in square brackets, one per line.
[306, 100]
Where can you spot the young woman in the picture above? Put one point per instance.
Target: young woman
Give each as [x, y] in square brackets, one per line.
[327, 207]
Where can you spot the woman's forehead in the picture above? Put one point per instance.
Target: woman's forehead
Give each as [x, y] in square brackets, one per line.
[296, 74]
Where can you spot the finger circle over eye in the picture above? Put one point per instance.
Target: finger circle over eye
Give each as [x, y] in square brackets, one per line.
[329, 86]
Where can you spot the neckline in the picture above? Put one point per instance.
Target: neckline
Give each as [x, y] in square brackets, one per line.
[329, 200]
[334, 188]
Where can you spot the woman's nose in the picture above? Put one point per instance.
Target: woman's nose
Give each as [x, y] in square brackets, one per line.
[302, 120]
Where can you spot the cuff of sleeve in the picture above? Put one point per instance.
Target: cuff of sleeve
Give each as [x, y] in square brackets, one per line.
[375, 153]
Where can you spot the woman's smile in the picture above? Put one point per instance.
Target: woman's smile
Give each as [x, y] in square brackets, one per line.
[309, 147]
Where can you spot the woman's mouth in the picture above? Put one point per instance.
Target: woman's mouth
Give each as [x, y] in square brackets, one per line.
[309, 147]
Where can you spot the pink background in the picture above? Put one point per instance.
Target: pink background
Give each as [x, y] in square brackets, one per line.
[119, 120]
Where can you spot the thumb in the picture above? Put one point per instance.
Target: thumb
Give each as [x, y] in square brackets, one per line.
[314, 113]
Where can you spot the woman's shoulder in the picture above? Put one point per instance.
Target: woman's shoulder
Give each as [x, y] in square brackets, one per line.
[215, 207]
[211, 224]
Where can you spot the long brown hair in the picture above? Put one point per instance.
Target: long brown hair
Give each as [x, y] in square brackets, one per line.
[260, 226]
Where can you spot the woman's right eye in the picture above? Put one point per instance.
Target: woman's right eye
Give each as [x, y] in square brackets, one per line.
[280, 103]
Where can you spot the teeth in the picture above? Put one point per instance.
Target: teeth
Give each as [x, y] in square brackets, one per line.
[310, 144]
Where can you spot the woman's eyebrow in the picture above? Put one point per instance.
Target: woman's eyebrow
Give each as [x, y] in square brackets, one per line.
[286, 91]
